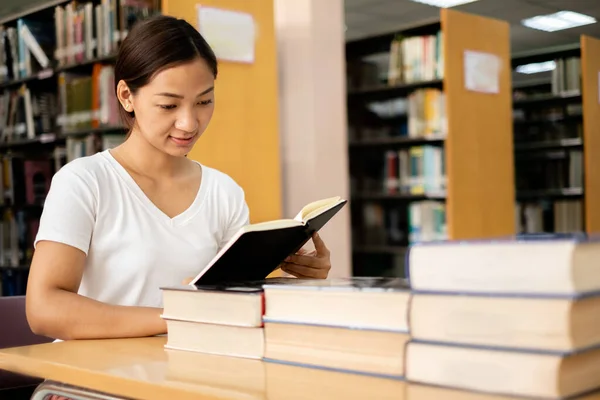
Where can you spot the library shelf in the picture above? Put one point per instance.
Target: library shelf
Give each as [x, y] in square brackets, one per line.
[557, 141]
[56, 104]
[416, 148]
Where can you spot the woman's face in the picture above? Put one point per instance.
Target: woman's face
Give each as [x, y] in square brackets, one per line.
[174, 109]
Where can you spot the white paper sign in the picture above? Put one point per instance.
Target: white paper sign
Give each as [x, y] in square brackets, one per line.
[231, 34]
[482, 72]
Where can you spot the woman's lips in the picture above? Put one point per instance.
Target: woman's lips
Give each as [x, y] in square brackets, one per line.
[182, 141]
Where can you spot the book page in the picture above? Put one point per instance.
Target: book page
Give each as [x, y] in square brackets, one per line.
[315, 208]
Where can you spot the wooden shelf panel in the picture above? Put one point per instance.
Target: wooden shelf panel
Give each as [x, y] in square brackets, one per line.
[374, 196]
[46, 139]
[549, 121]
[590, 64]
[387, 92]
[546, 54]
[548, 194]
[479, 146]
[549, 100]
[53, 139]
[100, 130]
[395, 142]
[573, 143]
[50, 72]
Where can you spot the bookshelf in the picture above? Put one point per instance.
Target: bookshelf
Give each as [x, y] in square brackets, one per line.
[429, 158]
[556, 125]
[57, 103]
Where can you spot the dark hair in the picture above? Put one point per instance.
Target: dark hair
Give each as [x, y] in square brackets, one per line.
[154, 44]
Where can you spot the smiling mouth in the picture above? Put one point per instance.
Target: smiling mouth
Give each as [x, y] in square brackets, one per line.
[182, 141]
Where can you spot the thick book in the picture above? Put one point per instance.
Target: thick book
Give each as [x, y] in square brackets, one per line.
[236, 304]
[530, 265]
[530, 374]
[258, 249]
[517, 322]
[375, 303]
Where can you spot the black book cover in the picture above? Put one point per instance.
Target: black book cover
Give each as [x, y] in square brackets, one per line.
[255, 254]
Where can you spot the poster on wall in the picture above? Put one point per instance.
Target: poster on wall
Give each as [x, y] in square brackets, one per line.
[482, 72]
[231, 34]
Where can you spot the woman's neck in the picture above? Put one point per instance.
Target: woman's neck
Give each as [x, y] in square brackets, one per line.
[147, 160]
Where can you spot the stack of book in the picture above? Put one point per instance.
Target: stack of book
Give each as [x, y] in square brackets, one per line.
[354, 324]
[221, 310]
[223, 320]
[511, 317]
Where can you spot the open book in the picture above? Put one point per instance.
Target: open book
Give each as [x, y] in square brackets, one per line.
[258, 249]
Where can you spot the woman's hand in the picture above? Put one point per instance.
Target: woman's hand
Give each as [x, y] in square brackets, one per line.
[309, 265]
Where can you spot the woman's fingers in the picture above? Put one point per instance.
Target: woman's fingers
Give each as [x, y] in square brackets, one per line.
[306, 260]
[302, 271]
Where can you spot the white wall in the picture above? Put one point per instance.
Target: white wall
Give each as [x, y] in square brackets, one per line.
[310, 36]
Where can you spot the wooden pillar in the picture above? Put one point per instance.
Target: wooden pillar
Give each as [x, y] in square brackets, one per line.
[479, 145]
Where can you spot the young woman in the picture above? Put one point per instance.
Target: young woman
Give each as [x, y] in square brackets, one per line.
[120, 224]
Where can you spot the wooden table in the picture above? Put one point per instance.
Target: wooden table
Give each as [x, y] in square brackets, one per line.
[143, 369]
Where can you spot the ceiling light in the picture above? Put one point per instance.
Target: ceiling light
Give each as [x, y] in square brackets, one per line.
[535, 68]
[444, 3]
[558, 21]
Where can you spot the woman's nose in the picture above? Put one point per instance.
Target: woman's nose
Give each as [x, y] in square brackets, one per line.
[187, 122]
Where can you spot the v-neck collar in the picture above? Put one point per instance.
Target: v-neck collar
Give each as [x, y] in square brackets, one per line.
[179, 219]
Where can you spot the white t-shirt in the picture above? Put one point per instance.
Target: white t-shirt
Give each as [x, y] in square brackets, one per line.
[132, 247]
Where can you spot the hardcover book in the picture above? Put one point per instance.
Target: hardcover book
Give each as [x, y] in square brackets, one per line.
[258, 249]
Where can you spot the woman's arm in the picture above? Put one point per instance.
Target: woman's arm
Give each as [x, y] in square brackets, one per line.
[54, 309]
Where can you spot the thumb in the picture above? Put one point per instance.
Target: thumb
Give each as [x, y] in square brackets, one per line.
[320, 247]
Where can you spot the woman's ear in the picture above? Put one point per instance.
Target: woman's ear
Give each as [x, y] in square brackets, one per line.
[125, 96]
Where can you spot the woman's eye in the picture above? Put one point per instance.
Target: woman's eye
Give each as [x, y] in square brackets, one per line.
[167, 106]
[205, 102]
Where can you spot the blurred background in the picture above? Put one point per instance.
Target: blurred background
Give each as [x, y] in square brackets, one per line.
[436, 119]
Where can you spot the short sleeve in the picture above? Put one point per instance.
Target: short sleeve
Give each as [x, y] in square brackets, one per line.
[239, 216]
[69, 212]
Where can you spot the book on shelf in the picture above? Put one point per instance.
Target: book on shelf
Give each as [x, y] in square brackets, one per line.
[416, 59]
[36, 43]
[86, 31]
[258, 249]
[78, 32]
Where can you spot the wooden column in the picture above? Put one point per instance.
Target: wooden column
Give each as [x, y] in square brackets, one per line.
[479, 147]
[590, 69]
